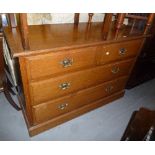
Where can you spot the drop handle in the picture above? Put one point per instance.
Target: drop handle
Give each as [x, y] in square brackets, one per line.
[115, 70]
[64, 86]
[62, 106]
[122, 51]
[66, 62]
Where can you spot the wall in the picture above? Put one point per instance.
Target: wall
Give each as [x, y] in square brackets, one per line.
[53, 18]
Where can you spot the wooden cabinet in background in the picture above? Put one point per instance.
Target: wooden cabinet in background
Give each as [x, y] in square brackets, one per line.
[144, 68]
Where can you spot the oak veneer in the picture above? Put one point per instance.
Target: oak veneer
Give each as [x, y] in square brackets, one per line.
[49, 110]
[119, 51]
[59, 62]
[34, 130]
[51, 38]
[48, 89]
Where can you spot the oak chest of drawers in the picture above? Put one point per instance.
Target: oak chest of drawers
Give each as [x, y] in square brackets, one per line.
[59, 84]
[62, 84]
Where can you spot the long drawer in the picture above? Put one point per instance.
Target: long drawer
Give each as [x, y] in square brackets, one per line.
[59, 62]
[118, 51]
[46, 90]
[45, 111]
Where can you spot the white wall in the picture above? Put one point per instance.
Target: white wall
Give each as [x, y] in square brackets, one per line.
[52, 18]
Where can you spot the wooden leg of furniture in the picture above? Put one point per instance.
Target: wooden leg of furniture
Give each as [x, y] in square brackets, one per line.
[9, 98]
[9, 87]
[7, 91]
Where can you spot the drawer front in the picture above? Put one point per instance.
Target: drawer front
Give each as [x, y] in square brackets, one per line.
[55, 87]
[59, 62]
[46, 111]
[118, 51]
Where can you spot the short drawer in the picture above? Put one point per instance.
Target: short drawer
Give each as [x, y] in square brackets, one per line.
[59, 62]
[45, 90]
[46, 111]
[118, 51]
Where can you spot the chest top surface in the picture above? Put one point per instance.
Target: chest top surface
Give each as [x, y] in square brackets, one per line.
[48, 38]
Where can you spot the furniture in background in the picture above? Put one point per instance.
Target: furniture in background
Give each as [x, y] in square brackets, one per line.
[141, 126]
[5, 85]
[1, 64]
[65, 70]
[144, 68]
[1, 58]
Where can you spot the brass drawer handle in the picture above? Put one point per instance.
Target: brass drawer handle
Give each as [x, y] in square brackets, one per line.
[63, 106]
[66, 62]
[109, 89]
[122, 51]
[115, 70]
[64, 86]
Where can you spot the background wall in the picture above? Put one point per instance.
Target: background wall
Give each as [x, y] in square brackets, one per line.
[53, 18]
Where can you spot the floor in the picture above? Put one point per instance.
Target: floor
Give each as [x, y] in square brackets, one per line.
[105, 123]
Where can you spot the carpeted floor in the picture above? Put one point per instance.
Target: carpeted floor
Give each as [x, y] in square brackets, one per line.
[105, 123]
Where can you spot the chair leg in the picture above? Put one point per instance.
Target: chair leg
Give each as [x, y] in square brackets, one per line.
[9, 86]
[7, 94]
[9, 98]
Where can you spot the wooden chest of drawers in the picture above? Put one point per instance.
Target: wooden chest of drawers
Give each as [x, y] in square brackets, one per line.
[63, 84]
[62, 79]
